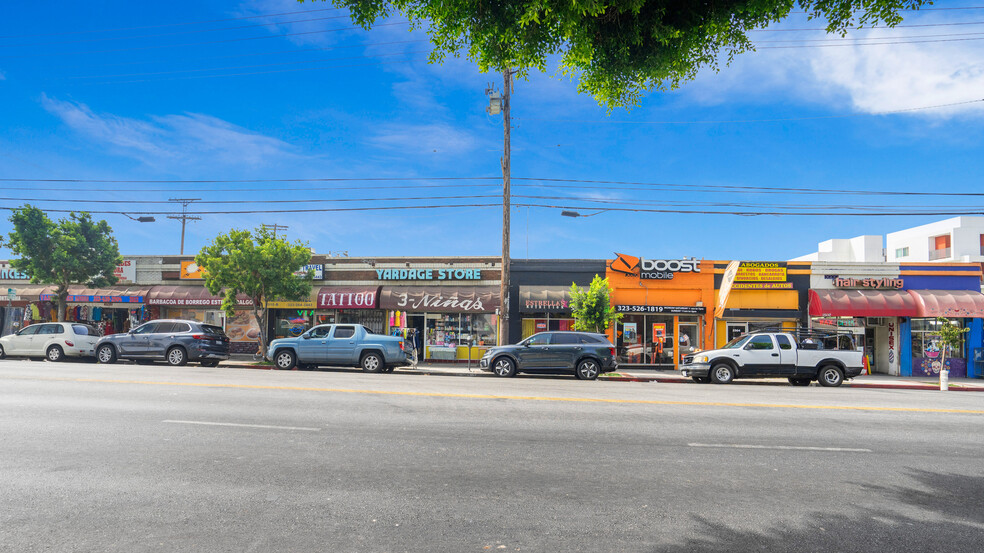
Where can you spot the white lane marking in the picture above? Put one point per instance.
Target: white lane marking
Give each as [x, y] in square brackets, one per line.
[246, 425]
[791, 447]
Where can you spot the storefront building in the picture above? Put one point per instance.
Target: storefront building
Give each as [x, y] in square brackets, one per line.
[894, 308]
[539, 295]
[447, 307]
[759, 296]
[667, 307]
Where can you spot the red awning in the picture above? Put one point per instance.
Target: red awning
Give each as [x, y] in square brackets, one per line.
[862, 303]
[949, 303]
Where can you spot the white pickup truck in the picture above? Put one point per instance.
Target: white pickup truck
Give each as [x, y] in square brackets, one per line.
[828, 360]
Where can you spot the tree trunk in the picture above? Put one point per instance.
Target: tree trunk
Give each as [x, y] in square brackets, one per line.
[259, 319]
[62, 295]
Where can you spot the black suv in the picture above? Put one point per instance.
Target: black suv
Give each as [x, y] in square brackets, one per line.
[585, 354]
[171, 340]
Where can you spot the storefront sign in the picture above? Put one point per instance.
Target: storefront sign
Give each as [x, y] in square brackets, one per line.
[653, 269]
[762, 286]
[761, 271]
[347, 298]
[190, 270]
[659, 331]
[317, 272]
[204, 302]
[545, 305]
[9, 273]
[429, 274]
[441, 299]
[95, 299]
[892, 353]
[663, 309]
[126, 272]
[306, 304]
[664, 269]
[884, 282]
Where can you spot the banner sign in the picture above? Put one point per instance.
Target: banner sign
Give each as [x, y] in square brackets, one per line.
[652, 269]
[663, 309]
[95, 299]
[190, 270]
[305, 304]
[126, 272]
[727, 282]
[761, 271]
[199, 301]
[9, 273]
[441, 299]
[429, 274]
[317, 272]
[762, 286]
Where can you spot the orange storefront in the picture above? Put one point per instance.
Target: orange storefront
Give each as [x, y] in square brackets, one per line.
[667, 308]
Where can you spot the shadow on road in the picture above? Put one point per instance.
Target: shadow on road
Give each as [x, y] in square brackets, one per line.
[945, 512]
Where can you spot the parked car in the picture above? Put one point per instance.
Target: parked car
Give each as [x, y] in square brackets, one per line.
[171, 340]
[53, 341]
[584, 354]
[340, 345]
[778, 355]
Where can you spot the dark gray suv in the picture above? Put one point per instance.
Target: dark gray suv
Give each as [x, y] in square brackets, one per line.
[583, 353]
[171, 340]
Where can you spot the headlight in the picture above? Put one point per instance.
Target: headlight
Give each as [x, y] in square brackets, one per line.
[700, 359]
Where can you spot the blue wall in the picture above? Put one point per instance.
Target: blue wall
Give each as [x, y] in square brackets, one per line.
[975, 339]
[905, 347]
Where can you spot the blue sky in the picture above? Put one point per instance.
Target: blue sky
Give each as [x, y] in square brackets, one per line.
[171, 97]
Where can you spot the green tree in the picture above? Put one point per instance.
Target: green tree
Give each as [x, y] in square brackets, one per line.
[592, 308]
[617, 49]
[73, 250]
[950, 337]
[258, 265]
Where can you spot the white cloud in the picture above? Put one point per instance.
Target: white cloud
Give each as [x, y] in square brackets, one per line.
[306, 28]
[190, 138]
[431, 137]
[860, 78]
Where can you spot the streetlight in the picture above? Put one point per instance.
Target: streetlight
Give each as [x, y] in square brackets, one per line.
[566, 213]
[141, 219]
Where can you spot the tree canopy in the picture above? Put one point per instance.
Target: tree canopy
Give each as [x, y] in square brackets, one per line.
[616, 49]
[73, 250]
[256, 264]
[592, 308]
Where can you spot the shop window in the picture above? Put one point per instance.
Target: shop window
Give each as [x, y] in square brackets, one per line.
[926, 343]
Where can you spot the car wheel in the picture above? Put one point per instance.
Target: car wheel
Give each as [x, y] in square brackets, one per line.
[701, 379]
[504, 366]
[799, 381]
[106, 354]
[831, 376]
[54, 354]
[176, 357]
[285, 360]
[210, 363]
[372, 363]
[3, 354]
[587, 370]
[722, 373]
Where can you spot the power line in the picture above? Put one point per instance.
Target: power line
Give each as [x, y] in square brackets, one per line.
[236, 181]
[200, 201]
[225, 41]
[733, 121]
[900, 26]
[196, 31]
[366, 56]
[868, 43]
[174, 24]
[760, 213]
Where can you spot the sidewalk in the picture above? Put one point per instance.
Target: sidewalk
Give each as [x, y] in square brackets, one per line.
[672, 377]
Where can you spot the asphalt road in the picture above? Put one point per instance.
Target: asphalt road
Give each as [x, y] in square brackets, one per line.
[135, 458]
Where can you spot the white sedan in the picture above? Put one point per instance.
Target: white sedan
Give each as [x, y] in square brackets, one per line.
[52, 341]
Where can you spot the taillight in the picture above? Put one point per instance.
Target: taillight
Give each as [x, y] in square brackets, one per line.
[611, 351]
[69, 344]
[401, 344]
[198, 337]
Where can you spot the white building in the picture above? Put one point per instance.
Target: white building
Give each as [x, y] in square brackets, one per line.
[860, 249]
[960, 239]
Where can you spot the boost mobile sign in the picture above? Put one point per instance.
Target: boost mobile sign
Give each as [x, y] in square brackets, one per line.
[653, 269]
[663, 269]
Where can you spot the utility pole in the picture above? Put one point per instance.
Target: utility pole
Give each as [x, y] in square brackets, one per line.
[275, 227]
[184, 217]
[506, 159]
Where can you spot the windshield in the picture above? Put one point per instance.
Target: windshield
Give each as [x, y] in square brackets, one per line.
[737, 342]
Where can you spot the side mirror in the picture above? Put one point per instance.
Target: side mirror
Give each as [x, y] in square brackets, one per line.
[306, 336]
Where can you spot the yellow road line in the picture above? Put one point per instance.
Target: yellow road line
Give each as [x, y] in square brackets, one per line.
[526, 398]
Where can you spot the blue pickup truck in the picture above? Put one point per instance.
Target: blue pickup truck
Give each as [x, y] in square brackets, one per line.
[338, 345]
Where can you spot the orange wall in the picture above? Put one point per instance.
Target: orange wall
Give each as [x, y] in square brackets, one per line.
[682, 289]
